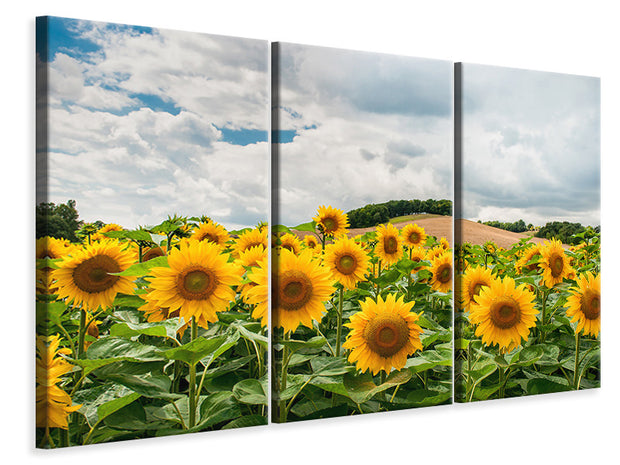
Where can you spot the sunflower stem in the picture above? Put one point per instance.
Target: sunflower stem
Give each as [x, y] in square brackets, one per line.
[81, 334]
[283, 375]
[576, 373]
[339, 328]
[192, 380]
[500, 393]
[544, 315]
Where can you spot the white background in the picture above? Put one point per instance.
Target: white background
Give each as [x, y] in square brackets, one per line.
[568, 37]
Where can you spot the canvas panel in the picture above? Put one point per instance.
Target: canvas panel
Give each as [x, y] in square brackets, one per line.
[362, 255]
[152, 208]
[528, 232]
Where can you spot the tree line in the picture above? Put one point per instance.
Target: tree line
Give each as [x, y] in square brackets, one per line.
[563, 230]
[374, 214]
[517, 226]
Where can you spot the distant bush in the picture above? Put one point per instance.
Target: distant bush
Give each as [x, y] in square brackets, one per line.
[563, 231]
[374, 214]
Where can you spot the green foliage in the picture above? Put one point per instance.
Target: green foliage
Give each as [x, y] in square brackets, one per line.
[563, 231]
[517, 226]
[374, 214]
[59, 221]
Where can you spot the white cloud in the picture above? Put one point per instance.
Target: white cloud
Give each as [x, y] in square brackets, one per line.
[377, 138]
[531, 144]
[128, 163]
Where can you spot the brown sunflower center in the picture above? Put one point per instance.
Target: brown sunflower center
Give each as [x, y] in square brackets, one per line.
[92, 276]
[295, 290]
[209, 238]
[153, 252]
[196, 283]
[330, 224]
[476, 288]
[556, 263]
[386, 334]
[346, 264]
[311, 244]
[390, 245]
[591, 304]
[444, 273]
[505, 312]
[414, 237]
[289, 247]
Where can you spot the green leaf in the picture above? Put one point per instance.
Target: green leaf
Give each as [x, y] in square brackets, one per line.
[361, 388]
[279, 228]
[142, 269]
[315, 342]
[217, 408]
[48, 263]
[155, 385]
[527, 356]
[387, 277]
[426, 398]
[112, 349]
[166, 328]
[246, 421]
[103, 400]
[130, 417]
[251, 391]
[51, 311]
[544, 386]
[136, 235]
[203, 349]
[124, 300]
[327, 366]
[247, 333]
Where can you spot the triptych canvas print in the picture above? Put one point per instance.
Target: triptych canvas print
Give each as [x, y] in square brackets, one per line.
[232, 233]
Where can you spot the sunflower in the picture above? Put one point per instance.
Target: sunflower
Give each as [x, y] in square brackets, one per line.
[389, 246]
[529, 254]
[432, 254]
[417, 254]
[473, 281]
[554, 263]
[84, 277]
[332, 221]
[153, 252]
[290, 242]
[252, 256]
[50, 247]
[249, 239]
[211, 232]
[383, 334]
[256, 294]
[198, 282]
[53, 405]
[503, 313]
[441, 267]
[312, 242]
[347, 261]
[443, 242]
[300, 287]
[413, 235]
[584, 304]
[104, 229]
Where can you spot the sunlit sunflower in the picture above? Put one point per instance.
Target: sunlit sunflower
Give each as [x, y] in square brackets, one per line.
[53, 405]
[383, 334]
[472, 282]
[249, 239]
[50, 247]
[413, 235]
[432, 254]
[153, 252]
[211, 232]
[418, 254]
[503, 313]
[300, 287]
[347, 261]
[332, 221]
[554, 263]
[490, 247]
[528, 256]
[290, 242]
[389, 246]
[312, 242]
[441, 267]
[443, 242]
[104, 229]
[584, 304]
[84, 277]
[257, 293]
[198, 282]
[249, 258]
[92, 330]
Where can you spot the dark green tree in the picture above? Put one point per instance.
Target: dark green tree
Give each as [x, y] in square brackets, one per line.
[59, 221]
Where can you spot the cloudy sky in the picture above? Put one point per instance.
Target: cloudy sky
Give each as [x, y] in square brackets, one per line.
[531, 146]
[144, 123]
[359, 128]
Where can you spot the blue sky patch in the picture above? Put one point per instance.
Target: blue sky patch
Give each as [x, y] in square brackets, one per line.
[243, 136]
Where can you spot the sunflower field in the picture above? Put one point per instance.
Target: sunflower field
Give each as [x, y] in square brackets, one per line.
[528, 318]
[360, 324]
[150, 332]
